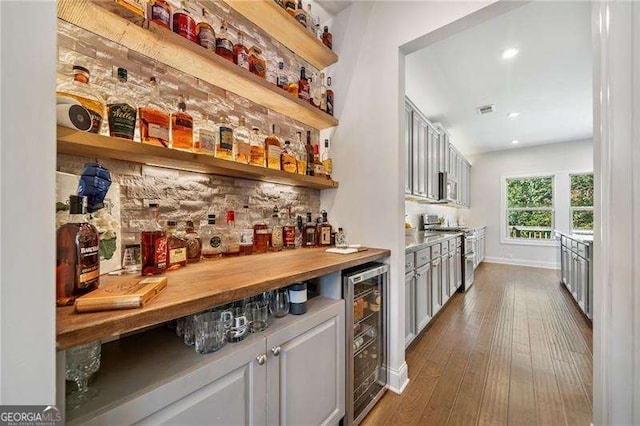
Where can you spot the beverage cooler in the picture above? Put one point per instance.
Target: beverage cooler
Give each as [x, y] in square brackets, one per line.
[365, 294]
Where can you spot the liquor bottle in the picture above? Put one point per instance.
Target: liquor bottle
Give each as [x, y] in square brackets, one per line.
[271, 68]
[327, 38]
[181, 127]
[224, 141]
[281, 79]
[290, 7]
[184, 24]
[160, 12]
[77, 254]
[246, 232]
[154, 245]
[301, 154]
[240, 52]
[288, 161]
[327, 162]
[79, 90]
[329, 97]
[241, 143]
[194, 243]
[301, 15]
[154, 122]
[289, 232]
[205, 32]
[207, 137]
[280, 3]
[309, 238]
[341, 239]
[309, 150]
[303, 86]
[324, 234]
[273, 149]
[315, 86]
[277, 231]
[257, 157]
[212, 238]
[311, 25]
[224, 47]
[257, 64]
[323, 92]
[231, 239]
[261, 237]
[176, 247]
[292, 88]
[121, 109]
[318, 30]
[318, 168]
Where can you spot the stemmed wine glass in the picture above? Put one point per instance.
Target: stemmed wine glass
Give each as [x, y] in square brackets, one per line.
[82, 362]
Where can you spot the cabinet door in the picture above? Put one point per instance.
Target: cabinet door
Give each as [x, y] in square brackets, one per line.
[408, 131]
[583, 272]
[443, 156]
[409, 309]
[433, 165]
[420, 156]
[444, 279]
[452, 273]
[423, 297]
[436, 286]
[467, 184]
[458, 267]
[235, 395]
[306, 370]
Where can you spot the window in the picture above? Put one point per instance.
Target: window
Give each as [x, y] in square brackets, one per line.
[582, 202]
[529, 203]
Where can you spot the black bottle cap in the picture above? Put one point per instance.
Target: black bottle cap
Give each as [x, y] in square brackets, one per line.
[77, 204]
[211, 216]
[171, 223]
[339, 229]
[324, 215]
[281, 65]
[80, 68]
[328, 81]
[326, 29]
[190, 223]
[122, 74]
[153, 205]
[326, 143]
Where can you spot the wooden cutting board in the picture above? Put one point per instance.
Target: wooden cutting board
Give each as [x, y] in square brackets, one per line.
[123, 295]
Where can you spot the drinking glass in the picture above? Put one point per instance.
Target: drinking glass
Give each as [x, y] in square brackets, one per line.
[209, 332]
[82, 362]
[188, 331]
[259, 312]
[132, 258]
[280, 303]
[239, 329]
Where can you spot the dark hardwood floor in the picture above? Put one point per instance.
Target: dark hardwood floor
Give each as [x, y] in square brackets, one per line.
[514, 350]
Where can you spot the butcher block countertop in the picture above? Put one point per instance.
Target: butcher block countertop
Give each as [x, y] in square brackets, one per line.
[203, 285]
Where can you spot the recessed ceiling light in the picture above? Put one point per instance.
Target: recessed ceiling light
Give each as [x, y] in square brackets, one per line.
[515, 142]
[509, 53]
[513, 115]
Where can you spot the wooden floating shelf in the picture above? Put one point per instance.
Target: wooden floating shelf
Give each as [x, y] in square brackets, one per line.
[175, 51]
[203, 285]
[85, 144]
[273, 19]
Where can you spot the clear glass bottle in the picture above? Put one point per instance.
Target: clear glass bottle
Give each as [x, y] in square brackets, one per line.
[281, 78]
[224, 46]
[205, 32]
[311, 23]
[309, 151]
[301, 154]
[160, 12]
[246, 232]
[212, 238]
[272, 69]
[327, 162]
[277, 231]
[224, 147]
[79, 90]
[121, 109]
[77, 254]
[241, 142]
[257, 156]
[257, 64]
[176, 247]
[207, 137]
[330, 99]
[325, 229]
[194, 243]
[301, 15]
[240, 52]
[231, 239]
[323, 92]
[318, 30]
[154, 122]
[303, 86]
[273, 149]
[288, 161]
[154, 244]
[184, 24]
[316, 91]
[182, 127]
[341, 239]
[299, 231]
[310, 236]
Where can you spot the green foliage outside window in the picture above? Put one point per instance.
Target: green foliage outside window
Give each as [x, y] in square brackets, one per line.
[530, 207]
[530, 192]
[582, 202]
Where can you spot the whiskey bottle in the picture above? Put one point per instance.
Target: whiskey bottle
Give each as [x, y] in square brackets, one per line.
[80, 91]
[246, 232]
[330, 100]
[257, 157]
[324, 234]
[299, 231]
[281, 80]
[207, 137]
[194, 243]
[327, 38]
[154, 245]
[240, 52]
[289, 232]
[277, 231]
[316, 91]
[271, 68]
[182, 127]
[310, 233]
[160, 12]
[224, 47]
[318, 30]
[318, 168]
[292, 88]
[301, 155]
[303, 86]
[288, 161]
[257, 64]
[121, 109]
[327, 162]
[154, 122]
[176, 247]
[183, 23]
[241, 143]
[231, 238]
[261, 237]
[323, 92]
[301, 15]
[273, 149]
[212, 238]
[309, 150]
[77, 254]
[224, 146]
[311, 24]
[290, 7]
[205, 32]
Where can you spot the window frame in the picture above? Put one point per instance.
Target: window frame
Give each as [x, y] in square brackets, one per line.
[578, 208]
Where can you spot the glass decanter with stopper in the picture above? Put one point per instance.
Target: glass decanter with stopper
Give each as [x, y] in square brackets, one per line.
[241, 143]
[79, 90]
[212, 238]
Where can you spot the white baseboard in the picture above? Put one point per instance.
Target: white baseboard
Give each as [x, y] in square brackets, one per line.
[522, 262]
[399, 379]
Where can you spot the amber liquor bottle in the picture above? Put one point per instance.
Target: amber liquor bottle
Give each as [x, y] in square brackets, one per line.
[77, 257]
[289, 232]
[327, 38]
[273, 149]
[154, 245]
[182, 127]
[154, 122]
[288, 159]
[324, 231]
[303, 86]
[310, 235]
[309, 149]
[184, 24]
[224, 46]
[261, 237]
[241, 53]
[79, 89]
[176, 247]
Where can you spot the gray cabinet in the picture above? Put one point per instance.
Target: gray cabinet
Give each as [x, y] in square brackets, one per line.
[576, 271]
[409, 308]
[408, 172]
[458, 266]
[436, 285]
[423, 296]
[420, 150]
[444, 278]
[452, 273]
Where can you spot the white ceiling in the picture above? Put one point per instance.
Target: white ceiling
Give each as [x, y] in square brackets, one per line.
[548, 82]
[333, 7]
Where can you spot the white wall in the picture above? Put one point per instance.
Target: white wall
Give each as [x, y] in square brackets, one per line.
[487, 173]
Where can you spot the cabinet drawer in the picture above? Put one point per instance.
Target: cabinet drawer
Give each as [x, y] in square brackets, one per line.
[452, 244]
[458, 242]
[423, 256]
[435, 251]
[408, 262]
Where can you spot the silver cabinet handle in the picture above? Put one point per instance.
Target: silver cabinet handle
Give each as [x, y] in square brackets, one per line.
[276, 350]
[262, 358]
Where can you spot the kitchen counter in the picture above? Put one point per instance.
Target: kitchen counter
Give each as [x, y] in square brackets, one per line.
[587, 239]
[422, 239]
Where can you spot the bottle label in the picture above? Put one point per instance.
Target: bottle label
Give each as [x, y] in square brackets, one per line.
[289, 163]
[160, 15]
[310, 237]
[223, 43]
[277, 236]
[290, 5]
[328, 166]
[226, 138]
[89, 267]
[184, 122]
[262, 231]
[207, 38]
[289, 236]
[302, 18]
[160, 257]
[243, 60]
[177, 255]
[318, 169]
[185, 26]
[257, 67]
[297, 296]
[246, 237]
[325, 235]
[122, 120]
[257, 156]
[303, 91]
[158, 131]
[194, 248]
[282, 81]
[274, 152]
[215, 242]
[329, 104]
[207, 140]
